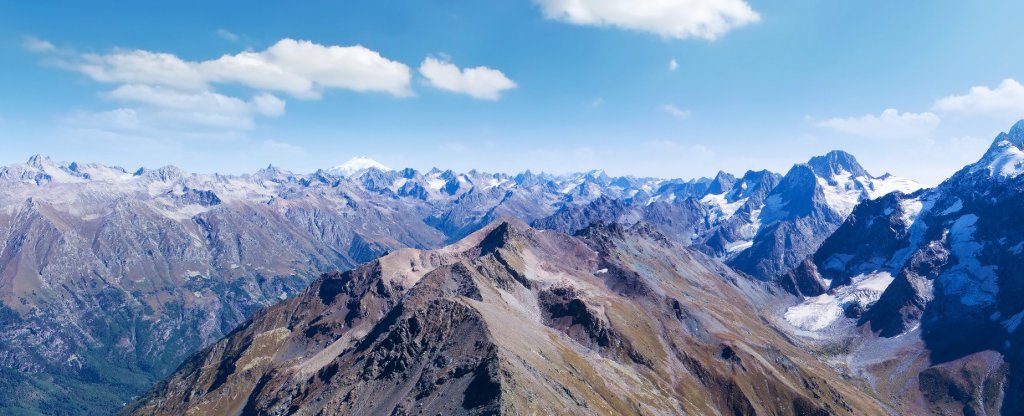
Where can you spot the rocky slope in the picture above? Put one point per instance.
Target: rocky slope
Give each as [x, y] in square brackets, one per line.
[935, 281]
[810, 202]
[512, 320]
[109, 278]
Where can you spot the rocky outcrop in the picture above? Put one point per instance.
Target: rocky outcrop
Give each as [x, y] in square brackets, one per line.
[510, 320]
[938, 277]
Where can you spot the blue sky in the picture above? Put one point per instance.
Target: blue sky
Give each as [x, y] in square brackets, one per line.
[553, 85]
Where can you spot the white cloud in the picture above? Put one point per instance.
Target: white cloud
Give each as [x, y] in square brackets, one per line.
[141, 67]
[1004, 101]
[680, 19]
[301, 68]
[201, 108]
[33, 44]
[228, 35]
[673, 65]
[165, 95]
[479, 82]
[675, 111]
[890, 124]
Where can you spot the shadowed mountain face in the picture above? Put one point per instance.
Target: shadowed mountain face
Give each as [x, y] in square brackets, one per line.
[761, 224]
[809, 203]
[516, 321]
[938, 277]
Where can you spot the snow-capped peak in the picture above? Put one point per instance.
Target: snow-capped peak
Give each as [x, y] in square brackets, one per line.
[1006, 155]
[836, 162]
[356, 165]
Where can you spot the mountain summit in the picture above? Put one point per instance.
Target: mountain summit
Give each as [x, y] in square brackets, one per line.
[835, 163]
[356, 165]
[512, 320]
[936, 275]
[1006, 155]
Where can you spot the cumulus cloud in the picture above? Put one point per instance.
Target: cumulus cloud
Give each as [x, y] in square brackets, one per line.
[141, 67]
[890, 124]
[673, 65]
[679, 19]
[675, 111]
[479, 82]
[300, 68]
[1006, 100]
[161, 92]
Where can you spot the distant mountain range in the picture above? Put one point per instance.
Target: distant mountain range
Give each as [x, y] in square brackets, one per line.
[848, 282]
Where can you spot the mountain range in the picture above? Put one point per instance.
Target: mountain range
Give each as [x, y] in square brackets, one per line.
[826, 290]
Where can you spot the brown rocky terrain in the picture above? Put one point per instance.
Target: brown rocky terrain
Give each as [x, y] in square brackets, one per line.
[511, 320]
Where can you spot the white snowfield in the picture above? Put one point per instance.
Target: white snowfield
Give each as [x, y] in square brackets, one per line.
[356, 165]
[850, 190]
[819, 312]
[721, 207]
[1005, 159]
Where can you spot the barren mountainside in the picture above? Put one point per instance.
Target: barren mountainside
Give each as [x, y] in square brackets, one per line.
[512, 320]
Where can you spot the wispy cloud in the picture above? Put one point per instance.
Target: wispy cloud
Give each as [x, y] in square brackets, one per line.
[889, 124]
[679, 19]
[34, 44]
[200, 108]
[228, 35]
[673, 65]
[275, 147]
[675, 111]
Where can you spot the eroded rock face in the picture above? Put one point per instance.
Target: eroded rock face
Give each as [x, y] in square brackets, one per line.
[109, 279]
[510, 320]
[936, 281]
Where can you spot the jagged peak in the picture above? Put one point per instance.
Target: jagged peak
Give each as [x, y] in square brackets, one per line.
[835, 163]
[722, 183]
[1016, 133]
[39, 161]
[1005, 157]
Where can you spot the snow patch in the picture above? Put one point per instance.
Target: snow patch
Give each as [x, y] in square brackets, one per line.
[721, 207]
[910, 209]
[956, 207]
[818, 312]
[973, 282]
[356, 165]
[1003, 159]
[738, 246]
